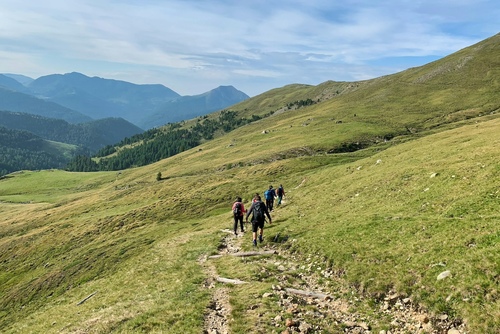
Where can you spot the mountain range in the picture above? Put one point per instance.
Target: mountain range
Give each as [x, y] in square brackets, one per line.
[146, 105]
[92, 112]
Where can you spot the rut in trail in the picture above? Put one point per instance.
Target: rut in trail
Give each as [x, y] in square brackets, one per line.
[219, 310]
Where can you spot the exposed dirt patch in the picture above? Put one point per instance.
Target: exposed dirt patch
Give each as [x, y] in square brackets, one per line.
[218, 312]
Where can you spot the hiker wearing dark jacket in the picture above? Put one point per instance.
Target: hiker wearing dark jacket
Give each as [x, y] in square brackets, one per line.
[280, 193]
[238, 212]
[259, 211]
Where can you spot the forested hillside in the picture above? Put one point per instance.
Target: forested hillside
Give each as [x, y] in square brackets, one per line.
[26, 135]
[21, 150]
[92, 135]
[156, 144]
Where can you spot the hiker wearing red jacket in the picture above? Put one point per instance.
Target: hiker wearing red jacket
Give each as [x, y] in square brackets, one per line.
[238, 212]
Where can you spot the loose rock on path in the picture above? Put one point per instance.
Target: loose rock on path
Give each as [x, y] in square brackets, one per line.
[312, 306]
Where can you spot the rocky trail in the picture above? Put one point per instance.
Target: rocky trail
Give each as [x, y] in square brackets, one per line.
[314, 304]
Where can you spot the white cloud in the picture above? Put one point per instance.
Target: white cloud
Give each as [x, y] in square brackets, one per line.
[179, 42]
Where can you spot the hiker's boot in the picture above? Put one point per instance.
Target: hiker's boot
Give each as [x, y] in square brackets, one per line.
[254, 242]
[260, 238]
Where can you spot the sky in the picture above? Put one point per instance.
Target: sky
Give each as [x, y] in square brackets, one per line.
[193, 46]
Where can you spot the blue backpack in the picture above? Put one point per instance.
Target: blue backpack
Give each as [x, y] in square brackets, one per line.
[268, 194]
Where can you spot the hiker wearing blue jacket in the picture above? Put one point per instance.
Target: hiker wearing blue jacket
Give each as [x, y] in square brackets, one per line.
[259, 211]
[270, 194]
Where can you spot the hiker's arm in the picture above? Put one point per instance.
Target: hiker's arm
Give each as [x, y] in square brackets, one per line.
[269, 216]
[248, 212]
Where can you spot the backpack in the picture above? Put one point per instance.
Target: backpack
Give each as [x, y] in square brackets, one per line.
[237, 209]
[258, 211]
[268, 194]
[280, 192]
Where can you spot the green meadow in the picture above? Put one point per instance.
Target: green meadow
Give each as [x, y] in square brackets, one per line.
[389, 182]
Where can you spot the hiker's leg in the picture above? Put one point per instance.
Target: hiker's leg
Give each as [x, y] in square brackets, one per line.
[235, 225]
[241, 224]
[255, 227]
[261, 231]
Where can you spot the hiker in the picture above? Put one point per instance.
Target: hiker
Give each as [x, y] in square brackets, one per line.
[258, 210]
[238, 211]
[254, 197]
[280, 193]
[270, 194]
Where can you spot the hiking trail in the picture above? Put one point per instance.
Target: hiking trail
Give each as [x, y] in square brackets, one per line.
[219, 309]
[314, 308]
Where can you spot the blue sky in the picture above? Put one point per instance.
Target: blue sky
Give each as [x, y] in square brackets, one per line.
[193, 46]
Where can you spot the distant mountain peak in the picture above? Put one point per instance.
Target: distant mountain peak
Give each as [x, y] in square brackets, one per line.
[145, 105]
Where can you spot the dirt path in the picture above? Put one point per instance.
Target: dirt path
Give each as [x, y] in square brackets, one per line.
[219, 310]
[314, 304]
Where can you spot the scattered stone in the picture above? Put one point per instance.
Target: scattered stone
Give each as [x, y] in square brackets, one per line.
[422, 318]
[443, 275]
[305, 327]
[310, 305]
[229, 280]
[349, 324]
[364, 326]
[392, 298]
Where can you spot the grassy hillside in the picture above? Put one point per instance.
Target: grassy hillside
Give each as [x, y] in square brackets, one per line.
[347, 116]
[421, 198]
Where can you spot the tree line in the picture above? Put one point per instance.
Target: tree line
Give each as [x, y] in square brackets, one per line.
[22, 150]
[157, 144]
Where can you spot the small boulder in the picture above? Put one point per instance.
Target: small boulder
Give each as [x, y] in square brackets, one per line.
[443, 275]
